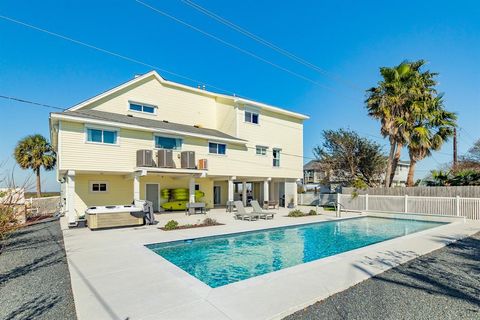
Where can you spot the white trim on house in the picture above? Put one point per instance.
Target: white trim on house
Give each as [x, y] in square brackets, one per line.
[155, 108]
[217, 143]
[130, 126]
[191, 89]
[103, 128]
[91, 183]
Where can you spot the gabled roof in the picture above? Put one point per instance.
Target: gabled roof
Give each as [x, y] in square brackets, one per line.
[128, 121]
[191, 89]
[311, 165]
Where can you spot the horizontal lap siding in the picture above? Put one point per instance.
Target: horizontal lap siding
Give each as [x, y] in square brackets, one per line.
[175, 105]
[274, 131]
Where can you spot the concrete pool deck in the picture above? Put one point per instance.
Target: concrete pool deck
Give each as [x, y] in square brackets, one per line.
[115, 277]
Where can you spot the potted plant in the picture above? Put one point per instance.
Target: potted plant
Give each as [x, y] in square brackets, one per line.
[291, 205]
[81, 222]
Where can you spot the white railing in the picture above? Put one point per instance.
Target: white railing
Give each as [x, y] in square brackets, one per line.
[444, 206]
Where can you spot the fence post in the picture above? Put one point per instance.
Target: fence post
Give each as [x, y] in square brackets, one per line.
[366, 202]
[338, 205]
[457, 206]
[406, 204]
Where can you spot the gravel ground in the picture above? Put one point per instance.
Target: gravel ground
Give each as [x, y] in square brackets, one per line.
[34, 277]
[444, 284]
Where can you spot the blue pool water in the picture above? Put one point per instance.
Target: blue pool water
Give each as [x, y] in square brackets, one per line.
[221, 260]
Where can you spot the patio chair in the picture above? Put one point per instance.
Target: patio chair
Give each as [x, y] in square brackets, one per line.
[242, 213]
[257, 209]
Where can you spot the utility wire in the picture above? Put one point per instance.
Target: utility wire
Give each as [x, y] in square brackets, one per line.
[121, 56]
[267, 43]
[231, 45]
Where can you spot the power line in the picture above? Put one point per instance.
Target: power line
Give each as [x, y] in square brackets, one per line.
[121, 56]
[231, 45]
[267, 43]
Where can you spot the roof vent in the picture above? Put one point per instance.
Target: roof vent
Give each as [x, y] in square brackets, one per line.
[129, 115]
[166, 121]
[196, 126]
[137, 75]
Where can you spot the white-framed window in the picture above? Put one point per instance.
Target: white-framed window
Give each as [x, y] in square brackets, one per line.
[99, 186]
[276, 157]
[261, 150]
[142, 107]
[103, 136]
[252, 116]
[217, 148]
[165, 142]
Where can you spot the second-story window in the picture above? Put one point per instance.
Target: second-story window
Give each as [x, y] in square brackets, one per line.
[251, 116]
[168, 143]
[276, 157]
[101, 136]
[217, 148]
[140, 107]
[261, 150]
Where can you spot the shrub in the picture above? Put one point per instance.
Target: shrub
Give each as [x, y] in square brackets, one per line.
[210, 222]
[312, 212]
[171, 225]
[296, 213]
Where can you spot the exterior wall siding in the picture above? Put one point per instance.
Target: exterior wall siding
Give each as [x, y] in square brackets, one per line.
[76, 154]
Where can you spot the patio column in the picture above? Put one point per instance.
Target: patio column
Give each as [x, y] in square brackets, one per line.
[70, 195]
[230, 189]
[244, 192]
[265, 190]
[191, 189]
[136, 186]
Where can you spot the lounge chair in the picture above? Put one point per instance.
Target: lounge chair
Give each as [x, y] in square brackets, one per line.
[257, 209]
[242, 213]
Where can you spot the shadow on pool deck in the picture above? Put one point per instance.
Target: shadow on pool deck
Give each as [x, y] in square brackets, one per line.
[444, 284]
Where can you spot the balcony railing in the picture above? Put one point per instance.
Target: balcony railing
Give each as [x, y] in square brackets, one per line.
[166, 158]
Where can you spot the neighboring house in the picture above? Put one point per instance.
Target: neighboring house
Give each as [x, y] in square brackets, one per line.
[314, 177]
[239, 148]
[401, 173]
[312, 173]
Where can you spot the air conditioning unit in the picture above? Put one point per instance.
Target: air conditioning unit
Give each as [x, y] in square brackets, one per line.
[202, 164]
[165, 158]
[187, 159]
[145, 158]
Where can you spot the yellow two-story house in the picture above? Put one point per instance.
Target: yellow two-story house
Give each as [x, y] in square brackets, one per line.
[150, 134]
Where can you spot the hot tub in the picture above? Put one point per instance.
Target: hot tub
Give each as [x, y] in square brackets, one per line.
[99, 217]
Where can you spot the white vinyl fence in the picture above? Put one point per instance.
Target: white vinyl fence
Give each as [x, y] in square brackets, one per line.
[444, 206]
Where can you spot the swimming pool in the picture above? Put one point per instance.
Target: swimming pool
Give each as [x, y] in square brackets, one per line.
[222, 260]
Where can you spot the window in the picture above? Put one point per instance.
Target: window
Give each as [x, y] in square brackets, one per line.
[98, 187]
[276, 157]
[102, 136]
[217, 148]
[197, 187]
[251, 116]
[168, 143]
[142, 108]
[261, 150]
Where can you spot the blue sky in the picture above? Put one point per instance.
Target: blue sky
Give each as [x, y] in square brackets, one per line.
[349, 39]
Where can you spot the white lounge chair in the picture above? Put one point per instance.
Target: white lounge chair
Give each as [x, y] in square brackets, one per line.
[257, 209]
[242, 213]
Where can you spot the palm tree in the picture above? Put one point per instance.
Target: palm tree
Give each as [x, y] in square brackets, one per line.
[432, 128]
[34, 152]
[396, 101]
[386, 102]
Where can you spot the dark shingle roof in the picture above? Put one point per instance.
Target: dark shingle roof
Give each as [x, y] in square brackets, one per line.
[148, 123]
[311, 165]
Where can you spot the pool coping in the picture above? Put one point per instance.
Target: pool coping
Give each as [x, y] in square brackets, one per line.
[283, 292]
